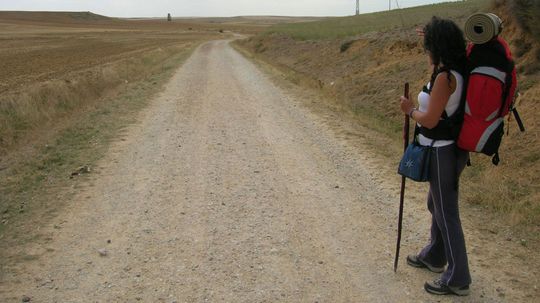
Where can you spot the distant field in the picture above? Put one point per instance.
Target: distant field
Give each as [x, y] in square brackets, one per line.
[40, 46]
[333, 28]
[28, 58]
[87, 20]
[250, 20]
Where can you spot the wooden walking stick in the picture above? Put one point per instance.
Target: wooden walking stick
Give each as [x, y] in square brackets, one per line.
[402, 194]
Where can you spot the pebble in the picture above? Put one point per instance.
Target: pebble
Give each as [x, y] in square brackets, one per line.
[103, 252]
[26, 299]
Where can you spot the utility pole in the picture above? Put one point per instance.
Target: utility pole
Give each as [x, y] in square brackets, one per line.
[357, 7]
[389, 5]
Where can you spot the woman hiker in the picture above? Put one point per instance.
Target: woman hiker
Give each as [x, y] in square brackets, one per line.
[437, 102]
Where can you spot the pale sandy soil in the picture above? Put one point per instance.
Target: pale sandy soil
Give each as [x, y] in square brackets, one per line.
[232, 189]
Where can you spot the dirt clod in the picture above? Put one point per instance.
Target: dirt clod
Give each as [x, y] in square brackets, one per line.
[81, 170]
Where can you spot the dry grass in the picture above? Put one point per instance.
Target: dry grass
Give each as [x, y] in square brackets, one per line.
[37, 104]
[525, 13]
[522, 26]
[368, 77]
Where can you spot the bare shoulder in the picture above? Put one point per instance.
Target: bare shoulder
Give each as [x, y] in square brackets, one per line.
[446, 80]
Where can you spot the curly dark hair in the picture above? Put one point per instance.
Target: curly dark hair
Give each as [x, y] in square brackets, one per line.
[446, 44]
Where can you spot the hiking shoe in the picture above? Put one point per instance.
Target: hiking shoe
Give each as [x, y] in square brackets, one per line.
[414, 261]
[437, 287]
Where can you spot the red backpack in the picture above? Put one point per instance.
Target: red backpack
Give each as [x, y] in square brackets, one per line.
[490, 95]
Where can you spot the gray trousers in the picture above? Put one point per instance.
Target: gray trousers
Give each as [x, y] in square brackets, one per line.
[447, 244]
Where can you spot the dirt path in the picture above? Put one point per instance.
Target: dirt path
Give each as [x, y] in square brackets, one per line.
[231, 190]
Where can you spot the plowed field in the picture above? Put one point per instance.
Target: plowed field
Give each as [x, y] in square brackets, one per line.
[30, 57]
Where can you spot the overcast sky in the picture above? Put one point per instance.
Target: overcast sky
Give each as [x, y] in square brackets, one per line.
[178, 8]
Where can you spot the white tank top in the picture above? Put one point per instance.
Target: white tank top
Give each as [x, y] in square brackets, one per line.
[451, 107]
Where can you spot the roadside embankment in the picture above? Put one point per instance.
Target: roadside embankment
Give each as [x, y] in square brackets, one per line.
[365, 72]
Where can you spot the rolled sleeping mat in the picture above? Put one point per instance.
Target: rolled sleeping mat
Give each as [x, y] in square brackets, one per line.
[482, 27]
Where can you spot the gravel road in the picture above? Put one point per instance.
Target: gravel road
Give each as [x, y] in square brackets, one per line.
[230, 189]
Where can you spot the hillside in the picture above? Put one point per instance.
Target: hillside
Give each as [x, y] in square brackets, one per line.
[344, 27]
[361, 63]
[54, 17]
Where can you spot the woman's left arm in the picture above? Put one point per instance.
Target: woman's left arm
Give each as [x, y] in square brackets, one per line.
[438, 99]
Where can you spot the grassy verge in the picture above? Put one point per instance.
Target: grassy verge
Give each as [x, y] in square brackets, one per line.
[31, 107]
[36, 183]
[507, 195]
